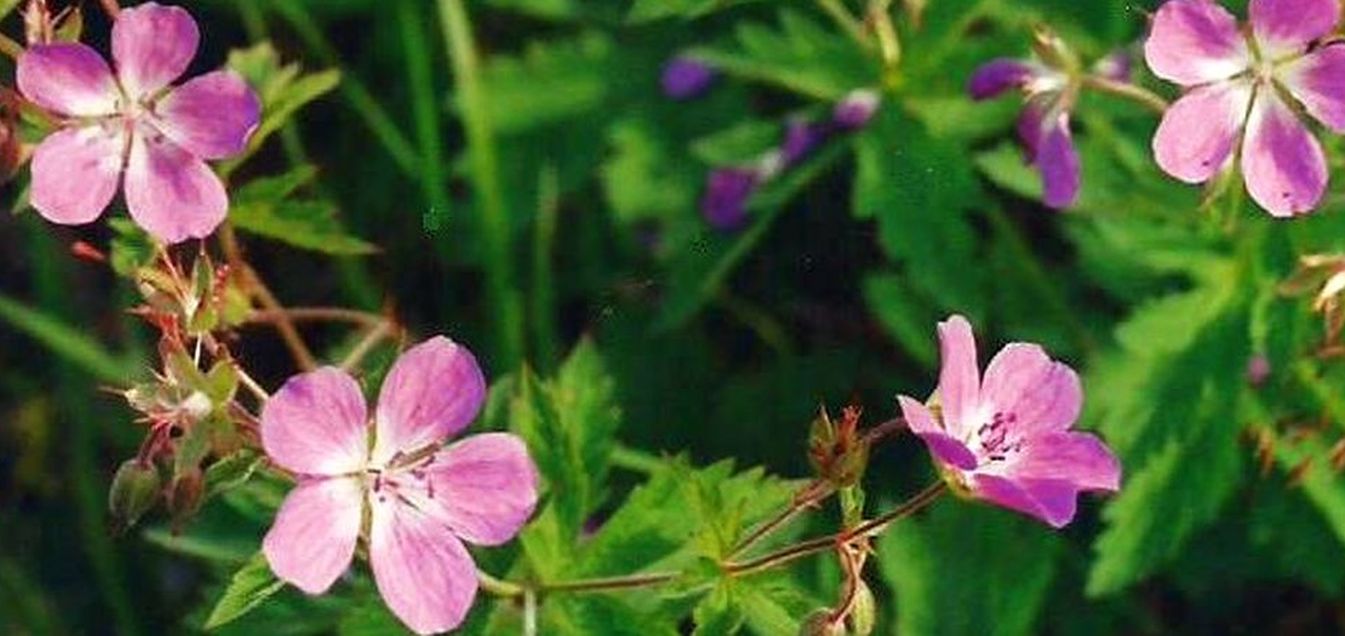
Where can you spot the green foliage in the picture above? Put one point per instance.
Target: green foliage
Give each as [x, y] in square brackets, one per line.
[271, 207]
[968, 569]
[283, 89]
[249, 587]
[798, 54]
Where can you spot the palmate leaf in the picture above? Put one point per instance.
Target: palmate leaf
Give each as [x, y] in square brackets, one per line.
[1176, 430]
[968, 569]
[919, 189]
[550, 82]
[271, 207]
[282, 88]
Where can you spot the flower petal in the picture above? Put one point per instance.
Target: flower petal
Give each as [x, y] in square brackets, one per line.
[76, 172]
[1058, 162]
[1078, 458]
[433, 391]
[1049, 500]
[1318, 80]
[69, 79]
[999, 75]
[170, 192]
[423, 572]
[959, 377]
[1042, 394]
[484, 487]
[313, 538]
[1288, 26]
[944, 448]
[1282, 162]
[211, 116]
[152, 45]
[1198, 133]
[1195, 41]
[315, 424]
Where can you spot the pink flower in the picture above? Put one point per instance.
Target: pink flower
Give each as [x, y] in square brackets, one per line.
[1043, 127]
[134, 122]
[421, 499]
[1238, 86]
[1006, 438]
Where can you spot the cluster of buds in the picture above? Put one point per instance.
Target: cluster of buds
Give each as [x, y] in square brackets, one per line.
[189, 406]
[838, 452]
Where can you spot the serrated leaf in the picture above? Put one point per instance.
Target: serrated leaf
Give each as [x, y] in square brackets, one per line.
[550, 82]
[249, 587]
[968, 569]
[569, 424]
[271, 208]
[919, 189]
[232, 471]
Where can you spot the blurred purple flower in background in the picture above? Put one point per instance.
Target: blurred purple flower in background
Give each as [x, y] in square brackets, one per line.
[724, 204]
[728, 189]
[1044, 124]
[686, 78]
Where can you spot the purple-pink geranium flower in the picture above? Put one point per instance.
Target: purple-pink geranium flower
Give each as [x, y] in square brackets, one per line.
[133, 123]
[1239, 89]
[421, 499]
[1044, 126]
[1006, 438]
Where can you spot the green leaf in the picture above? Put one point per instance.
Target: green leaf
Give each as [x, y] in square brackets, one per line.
[282, 89]
[249, 587]
[550, 82]
[740, 144]
[269, 207]
[919, 188]
[570, 424]
[232, 471]
[75, 345]
[968, 569]
[132, 248]
[650, 10]
[903, 314]
[798, 55]
[641, 179]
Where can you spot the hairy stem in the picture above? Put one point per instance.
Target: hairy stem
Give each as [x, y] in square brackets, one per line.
[293, 341]
[318, 314]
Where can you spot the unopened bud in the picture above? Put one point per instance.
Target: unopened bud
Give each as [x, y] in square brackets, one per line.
[185, 496]
[863, 612]
[1052, 50]
[820, 623]
[134, 490]
[856, 109]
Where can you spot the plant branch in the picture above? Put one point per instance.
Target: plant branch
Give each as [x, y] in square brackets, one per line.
[807, 498]
[377, 334]
[318, 314]
[864, 530]
[293, 341]
[111, 8]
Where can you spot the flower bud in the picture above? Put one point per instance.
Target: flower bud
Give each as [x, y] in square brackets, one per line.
[863, 611]
[686, 78]
[185, 495]
[819, 623]
[724, 204]
[1052, 50]
[856, 109]
[134, 490]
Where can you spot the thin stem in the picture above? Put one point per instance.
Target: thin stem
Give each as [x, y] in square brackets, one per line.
[876, 434]
[473, 102]
[376, 335]
[543, 271]
[864, 530]
[499, 587]
[111, 8]
[839, 14]
[808, 497]
[889, 45]
[293, 341]
[318, 314]
[636, 461]
[1128, 91]
[608, 584]
[9, 47]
